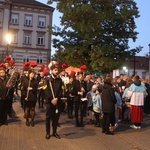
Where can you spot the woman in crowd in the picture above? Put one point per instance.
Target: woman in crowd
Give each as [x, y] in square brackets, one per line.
[108, 105]
[30, 87]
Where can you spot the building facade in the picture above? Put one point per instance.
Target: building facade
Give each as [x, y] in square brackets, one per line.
[27, 22]
[138, 65]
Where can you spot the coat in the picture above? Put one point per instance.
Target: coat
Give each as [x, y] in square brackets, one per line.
[32, 95]
[108, 98]
[57, 89]
[77, 85]
[3, 88]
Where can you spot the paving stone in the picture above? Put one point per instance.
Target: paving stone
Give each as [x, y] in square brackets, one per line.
[17, 136]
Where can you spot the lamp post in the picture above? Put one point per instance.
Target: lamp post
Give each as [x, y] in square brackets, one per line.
[8, 40]
[124, 68]
[149, 59]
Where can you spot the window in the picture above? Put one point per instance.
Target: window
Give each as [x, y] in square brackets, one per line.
[39, 59]
[41, 22]
[27, 39]
[40, 39]
[13, 55]
[1, 16]
[26, 58]
[28, 20]
[14, 18]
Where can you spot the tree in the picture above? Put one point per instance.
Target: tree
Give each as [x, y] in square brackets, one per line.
[95, 33]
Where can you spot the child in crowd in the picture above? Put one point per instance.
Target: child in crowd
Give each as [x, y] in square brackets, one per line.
[89, 96]
[97, 107]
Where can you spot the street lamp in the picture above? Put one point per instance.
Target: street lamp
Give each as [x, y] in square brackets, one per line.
[124, 68]
[8, 40]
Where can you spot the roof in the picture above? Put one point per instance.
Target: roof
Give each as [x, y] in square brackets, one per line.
[31, 3]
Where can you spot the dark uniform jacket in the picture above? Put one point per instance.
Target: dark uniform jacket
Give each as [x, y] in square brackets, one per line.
[69, 89]
[57, 88]
[77, 85]
[23, 79]
[32, 94]
[89, 85]
[108, 98]
[3, 88]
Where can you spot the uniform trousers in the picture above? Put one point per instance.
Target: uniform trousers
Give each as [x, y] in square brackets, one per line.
[51, 117]
[79, 106]
[3, 111]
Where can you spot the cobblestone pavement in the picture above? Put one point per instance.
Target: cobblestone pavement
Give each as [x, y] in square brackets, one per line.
[17, 136]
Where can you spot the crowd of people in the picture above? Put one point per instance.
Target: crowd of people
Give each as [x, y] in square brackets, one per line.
[105, 100]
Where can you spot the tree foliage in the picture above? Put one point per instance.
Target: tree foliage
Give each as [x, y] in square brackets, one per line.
[95, 33]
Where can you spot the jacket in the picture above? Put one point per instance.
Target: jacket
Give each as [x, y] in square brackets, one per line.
[3, 88]
[108, 98]
[57, 89]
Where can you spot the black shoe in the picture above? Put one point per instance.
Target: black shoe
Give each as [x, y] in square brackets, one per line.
[56, 135]
[5, 123]
[103, 131]
[77, 125]
[1, 124]
[98, 125]
[27, 123]
[81, 125]
[58, 125]
[71, 117]
[47, 136]
[32, 123]
[10, 115]
[109, 133]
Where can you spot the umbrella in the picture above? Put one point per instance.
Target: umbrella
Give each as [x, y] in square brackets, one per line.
[71, 68]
